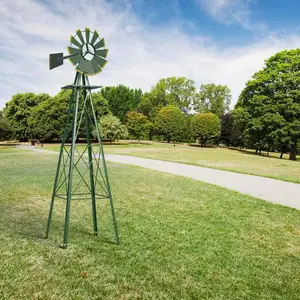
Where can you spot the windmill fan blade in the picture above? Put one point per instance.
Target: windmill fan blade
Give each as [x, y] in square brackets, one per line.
[84, 66]
[102, 52]
[73, 51]
[100, 44]
[74, 60]
[75, 42]
[101, 61]
[94, 38]
[87, 34]
[96, 67]
[79, 34]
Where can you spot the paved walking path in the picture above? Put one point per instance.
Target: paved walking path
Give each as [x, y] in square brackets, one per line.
[272, 190]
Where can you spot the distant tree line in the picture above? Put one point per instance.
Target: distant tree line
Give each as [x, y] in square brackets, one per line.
[265, 118]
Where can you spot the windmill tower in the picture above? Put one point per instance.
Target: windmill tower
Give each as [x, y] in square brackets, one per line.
[81, 171]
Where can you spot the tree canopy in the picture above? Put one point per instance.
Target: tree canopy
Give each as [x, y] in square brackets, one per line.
[19, 109]
[121, 99]
[111, 128]
[177, 91]
[205, 126]
[170, 123]
[138, 125]
[213, 98]
[266, 116]
[101, 105]
[48, 118]
[6, 130]
[272, 100]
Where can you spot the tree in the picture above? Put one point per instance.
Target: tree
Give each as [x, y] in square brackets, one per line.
[101, 105]
[48, 119]
[6, 130]
[205, 126]
[138, 125]
[121, 99]
[19, 109]
[148, 104]
[177, 91]
[213, 98]
[170, 123]
[111, 128]
[274, 92]
[240, 118]
[226, 129]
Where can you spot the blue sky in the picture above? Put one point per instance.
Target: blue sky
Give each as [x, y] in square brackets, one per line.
[221, 41]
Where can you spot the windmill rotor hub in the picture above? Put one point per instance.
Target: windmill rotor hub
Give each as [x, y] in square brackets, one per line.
[88, 51]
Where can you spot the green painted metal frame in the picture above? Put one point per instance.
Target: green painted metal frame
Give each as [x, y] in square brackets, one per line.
[80, 87]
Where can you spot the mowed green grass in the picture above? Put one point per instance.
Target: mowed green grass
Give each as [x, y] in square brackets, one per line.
[180, 239]
[234, 160]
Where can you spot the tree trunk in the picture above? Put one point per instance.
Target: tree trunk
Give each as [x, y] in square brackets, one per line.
[150, 135]
[139, 141]
[281, 154]
[174, 143]
[293, 151]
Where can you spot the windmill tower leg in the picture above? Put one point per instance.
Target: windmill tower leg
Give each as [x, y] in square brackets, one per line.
[61, 164]
[90, 160]
[102, 157]
[71, 168]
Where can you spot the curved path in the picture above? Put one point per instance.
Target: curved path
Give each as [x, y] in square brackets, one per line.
[272, 190]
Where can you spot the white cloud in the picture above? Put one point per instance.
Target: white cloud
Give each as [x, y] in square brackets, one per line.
[138, 56]
[229, 11]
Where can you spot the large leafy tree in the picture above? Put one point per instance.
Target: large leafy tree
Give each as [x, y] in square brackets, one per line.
[177, 91]
[205, 127]
[213, 98]
[6, 129]
[121, 99]
[240, 118]
[272, 100]
[150, 104]
[19, 109]
[101, 105]
[111, 128]
[226, 128]
[48, 119]
[138, 125]
[170, 122]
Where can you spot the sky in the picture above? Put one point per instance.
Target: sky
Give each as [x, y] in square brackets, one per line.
[220, 41]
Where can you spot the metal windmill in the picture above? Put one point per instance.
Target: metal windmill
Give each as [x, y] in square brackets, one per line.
[82, 174]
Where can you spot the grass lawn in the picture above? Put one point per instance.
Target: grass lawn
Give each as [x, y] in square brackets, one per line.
[217, 158]
[180, 239]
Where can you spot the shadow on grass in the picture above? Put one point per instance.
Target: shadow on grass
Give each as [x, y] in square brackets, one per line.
[13, 220]
[20, 222]
[263, 154]
[200, 146]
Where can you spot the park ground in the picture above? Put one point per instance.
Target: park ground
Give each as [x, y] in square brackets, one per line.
[228, 159]
[180, 238]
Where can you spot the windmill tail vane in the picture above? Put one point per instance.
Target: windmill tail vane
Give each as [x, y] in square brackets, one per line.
[82, 174]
